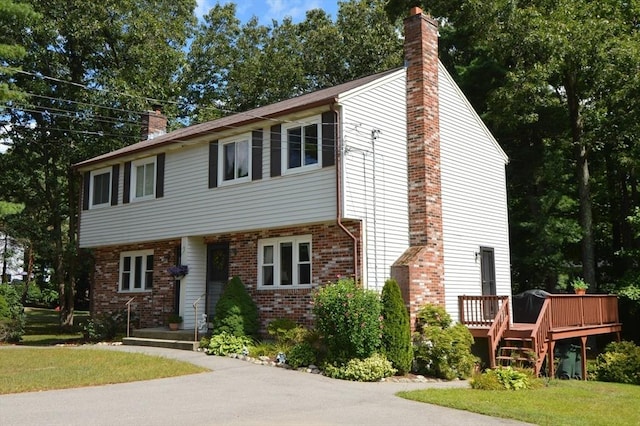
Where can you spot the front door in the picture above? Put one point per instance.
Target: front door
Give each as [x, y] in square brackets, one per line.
[488, 274]
[217, 275]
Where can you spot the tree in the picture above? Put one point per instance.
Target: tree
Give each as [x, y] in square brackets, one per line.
[90, 69]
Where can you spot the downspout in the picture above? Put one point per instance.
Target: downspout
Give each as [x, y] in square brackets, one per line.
[336, 109]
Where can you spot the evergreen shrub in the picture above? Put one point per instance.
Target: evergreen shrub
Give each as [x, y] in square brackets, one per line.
[236, 312]
[619, 363]
[348, 319]
[12, 318]
[396, 328]
[442, 350]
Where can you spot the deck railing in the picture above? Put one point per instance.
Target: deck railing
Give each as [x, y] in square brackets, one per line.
[568, 310]
[480, 311]
[540, 334]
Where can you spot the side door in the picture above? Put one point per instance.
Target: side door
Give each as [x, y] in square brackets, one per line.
[217, 275]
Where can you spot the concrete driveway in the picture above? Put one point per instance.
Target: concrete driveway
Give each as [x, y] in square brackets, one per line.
[235, 393]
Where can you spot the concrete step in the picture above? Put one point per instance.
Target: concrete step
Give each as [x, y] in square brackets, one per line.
[163, 333]
[186, 345]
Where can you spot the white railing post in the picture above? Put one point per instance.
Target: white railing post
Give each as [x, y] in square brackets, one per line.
[128, 305]
[195, 308]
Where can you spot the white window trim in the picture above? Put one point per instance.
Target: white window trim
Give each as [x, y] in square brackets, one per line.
[285, 146]
[134, 178]
[91, 184]
[240, 138]
[296, 240]
[133, 254]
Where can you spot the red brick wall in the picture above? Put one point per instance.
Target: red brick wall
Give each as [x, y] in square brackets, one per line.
[153, 306]
[420, 271]
[332, 252]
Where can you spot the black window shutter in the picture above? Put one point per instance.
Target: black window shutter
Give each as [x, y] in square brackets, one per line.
[256, 155]
[160, 175]
[329, 130]
[276, 144]
[126, 192]
[86, 183]
[115, 178]
[213, 164]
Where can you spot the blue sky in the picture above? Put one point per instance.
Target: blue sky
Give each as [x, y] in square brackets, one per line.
[266, 10]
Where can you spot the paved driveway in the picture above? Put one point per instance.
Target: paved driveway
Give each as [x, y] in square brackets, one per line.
[235, 393]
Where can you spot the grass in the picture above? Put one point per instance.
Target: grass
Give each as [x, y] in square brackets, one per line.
[42, 328]
[562, 402]
[38, 369]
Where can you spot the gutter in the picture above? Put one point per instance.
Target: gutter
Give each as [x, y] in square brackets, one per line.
[335, 108]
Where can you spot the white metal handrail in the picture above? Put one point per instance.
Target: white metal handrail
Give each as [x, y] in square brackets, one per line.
[195, 322]
[128, 305]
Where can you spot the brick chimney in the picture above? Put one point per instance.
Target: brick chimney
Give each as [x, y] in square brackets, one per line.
[420, 270]
[153, 123]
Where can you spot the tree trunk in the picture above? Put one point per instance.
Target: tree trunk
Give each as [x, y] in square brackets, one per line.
[584, 190]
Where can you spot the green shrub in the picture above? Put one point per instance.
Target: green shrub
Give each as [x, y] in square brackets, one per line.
[396, 328]
[204, 342]
[226, 343]
[439, 349]
[107, 326]
[236, 312]
[504, 378]
[287, 331]
[619, 363]
[45, 297]
[301, 355]
[371, 369]
[12, 316]
[348, 319]
[267, 349]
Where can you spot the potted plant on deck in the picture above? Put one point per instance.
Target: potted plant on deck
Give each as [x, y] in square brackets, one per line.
[174, 321]
[579, 286]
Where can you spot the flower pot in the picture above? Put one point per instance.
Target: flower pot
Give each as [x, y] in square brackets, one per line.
[580, 291]
[173, 326]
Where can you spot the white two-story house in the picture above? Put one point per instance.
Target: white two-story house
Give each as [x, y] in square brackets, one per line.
[391, 175]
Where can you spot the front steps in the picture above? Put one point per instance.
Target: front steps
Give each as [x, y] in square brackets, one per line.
[163, 338]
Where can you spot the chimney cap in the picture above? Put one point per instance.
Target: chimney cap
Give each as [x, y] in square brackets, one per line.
[415, 11]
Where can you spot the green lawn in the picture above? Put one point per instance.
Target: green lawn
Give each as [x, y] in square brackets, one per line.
[36, 369]
[42, 328]
[562, 402]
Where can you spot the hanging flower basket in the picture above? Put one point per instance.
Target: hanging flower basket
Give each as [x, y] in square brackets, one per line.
[178, 271]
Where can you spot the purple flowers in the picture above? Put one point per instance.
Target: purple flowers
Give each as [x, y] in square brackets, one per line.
[178, 270]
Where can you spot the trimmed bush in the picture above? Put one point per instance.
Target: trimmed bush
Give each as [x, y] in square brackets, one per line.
[226, 343]
[371, 369]
[236, 312]
[506, 378]
[439, 349]
[301, 355]
[12, 316]
[348, 318]
[396, 328]
[619, 363]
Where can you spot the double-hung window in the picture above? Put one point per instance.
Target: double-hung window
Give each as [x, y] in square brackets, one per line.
[136, 271]
[235, 160]
[100, 194]
[284, 262]
[143, 178]
[303, 147]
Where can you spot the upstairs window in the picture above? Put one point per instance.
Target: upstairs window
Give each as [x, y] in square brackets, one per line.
[302, 146]
[235, 160]
[100, 188]
[284, 262]
[143, 179]
[136, 271]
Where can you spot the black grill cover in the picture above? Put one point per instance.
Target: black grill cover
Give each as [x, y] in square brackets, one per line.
[527, 305]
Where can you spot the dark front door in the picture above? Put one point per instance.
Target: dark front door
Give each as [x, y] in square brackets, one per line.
[488, 274]
[217, 275]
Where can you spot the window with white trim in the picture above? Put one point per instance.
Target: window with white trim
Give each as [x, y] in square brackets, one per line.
[284, 262]
[303, 147]
[234, 160]
[143, 179]
[136, 271]
[100, 193]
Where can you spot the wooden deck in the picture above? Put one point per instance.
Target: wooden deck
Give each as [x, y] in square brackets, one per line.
[562, 316]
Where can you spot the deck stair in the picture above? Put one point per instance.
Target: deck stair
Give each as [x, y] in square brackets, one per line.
[516, 352]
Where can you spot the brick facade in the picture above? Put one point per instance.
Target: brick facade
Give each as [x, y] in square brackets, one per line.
[152, 307]
[332, 256]
[420, 270]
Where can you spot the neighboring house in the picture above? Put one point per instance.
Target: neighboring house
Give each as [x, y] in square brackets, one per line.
[393, 174]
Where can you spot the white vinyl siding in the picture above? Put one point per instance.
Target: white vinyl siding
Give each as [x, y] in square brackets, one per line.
[192, 286]
[375, 172]
[474, 199]
[189, 207]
